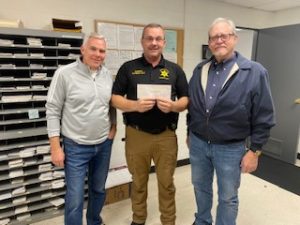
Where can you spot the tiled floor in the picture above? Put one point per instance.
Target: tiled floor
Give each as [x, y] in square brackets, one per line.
[261, 203]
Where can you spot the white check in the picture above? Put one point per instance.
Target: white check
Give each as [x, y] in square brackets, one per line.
[154, 91]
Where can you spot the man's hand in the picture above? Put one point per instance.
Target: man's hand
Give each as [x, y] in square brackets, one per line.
[58, 156]
[112, 132]
[249, 162]
[57, 153]
[144, 105]
[165, 105]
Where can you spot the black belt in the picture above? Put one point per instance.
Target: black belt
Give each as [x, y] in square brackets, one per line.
[219, 142]
[148, 130]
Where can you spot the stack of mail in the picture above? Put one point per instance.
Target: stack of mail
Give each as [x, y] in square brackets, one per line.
[37, 86]
[58, 173]
[8, 88]
[37, 75]
[16, 173]
[13, 154]
[39, 97]
[4, 221]
[46, 158]
[18, 191]
[8, 66]
[45, 167]
[6, 54]
[27, 152]
[5, 195]
[46, 184]
[16, 98]
[73, 55]
[36, 66]
[21, 209]
[37, 54]
[23, 87]
[34, 41]
[57, 201]
[15, 163]
[18, 200]
[6, 42]
[46, 176]
[17, 180]
[20, 54]
[64, 45]
[43, 149]
[4, 156]
[58, 183]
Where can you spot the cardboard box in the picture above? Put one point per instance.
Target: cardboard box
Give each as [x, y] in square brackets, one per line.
[117, 193]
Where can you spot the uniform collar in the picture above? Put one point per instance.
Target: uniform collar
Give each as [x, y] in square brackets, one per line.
[160, 64]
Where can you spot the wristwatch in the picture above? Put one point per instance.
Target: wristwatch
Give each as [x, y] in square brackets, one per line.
[256, 151]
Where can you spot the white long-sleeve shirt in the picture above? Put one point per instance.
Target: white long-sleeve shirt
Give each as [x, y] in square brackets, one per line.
[78, 104]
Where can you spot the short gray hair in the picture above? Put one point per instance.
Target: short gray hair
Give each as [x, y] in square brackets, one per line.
[223, 20]
[152, 25]
[93, 35]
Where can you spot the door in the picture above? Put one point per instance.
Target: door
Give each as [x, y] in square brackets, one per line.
[278, 50]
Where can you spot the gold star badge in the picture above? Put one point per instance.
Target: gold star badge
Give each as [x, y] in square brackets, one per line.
[164, 74]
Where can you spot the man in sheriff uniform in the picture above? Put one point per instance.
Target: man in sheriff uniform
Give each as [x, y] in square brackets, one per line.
[151, 122]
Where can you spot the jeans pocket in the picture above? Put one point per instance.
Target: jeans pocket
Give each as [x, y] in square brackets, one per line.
[109, 141]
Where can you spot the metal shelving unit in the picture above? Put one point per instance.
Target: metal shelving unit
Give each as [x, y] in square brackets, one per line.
[27, 177]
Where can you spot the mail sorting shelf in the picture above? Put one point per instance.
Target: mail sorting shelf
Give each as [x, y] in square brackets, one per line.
[31, 188]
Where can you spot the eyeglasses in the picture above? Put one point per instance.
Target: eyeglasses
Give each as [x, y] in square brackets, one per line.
[151, 39]
[223, 37]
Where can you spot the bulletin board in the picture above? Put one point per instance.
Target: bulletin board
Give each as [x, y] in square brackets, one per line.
[123, 42]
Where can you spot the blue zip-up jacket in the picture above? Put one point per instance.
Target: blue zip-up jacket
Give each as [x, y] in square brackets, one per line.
[244, 106]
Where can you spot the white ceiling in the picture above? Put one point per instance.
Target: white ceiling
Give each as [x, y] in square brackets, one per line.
[267, 5]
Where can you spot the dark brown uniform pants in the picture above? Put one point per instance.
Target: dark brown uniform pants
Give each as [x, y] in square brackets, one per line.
[141, 148]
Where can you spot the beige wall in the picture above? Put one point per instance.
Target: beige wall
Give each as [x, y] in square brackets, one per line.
[286, 17]
[38, 14]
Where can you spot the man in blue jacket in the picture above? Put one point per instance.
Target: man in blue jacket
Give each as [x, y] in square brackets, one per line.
[230, 100]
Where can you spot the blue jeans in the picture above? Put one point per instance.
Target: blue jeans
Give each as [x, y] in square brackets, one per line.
[82, 160]
[225, 160]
